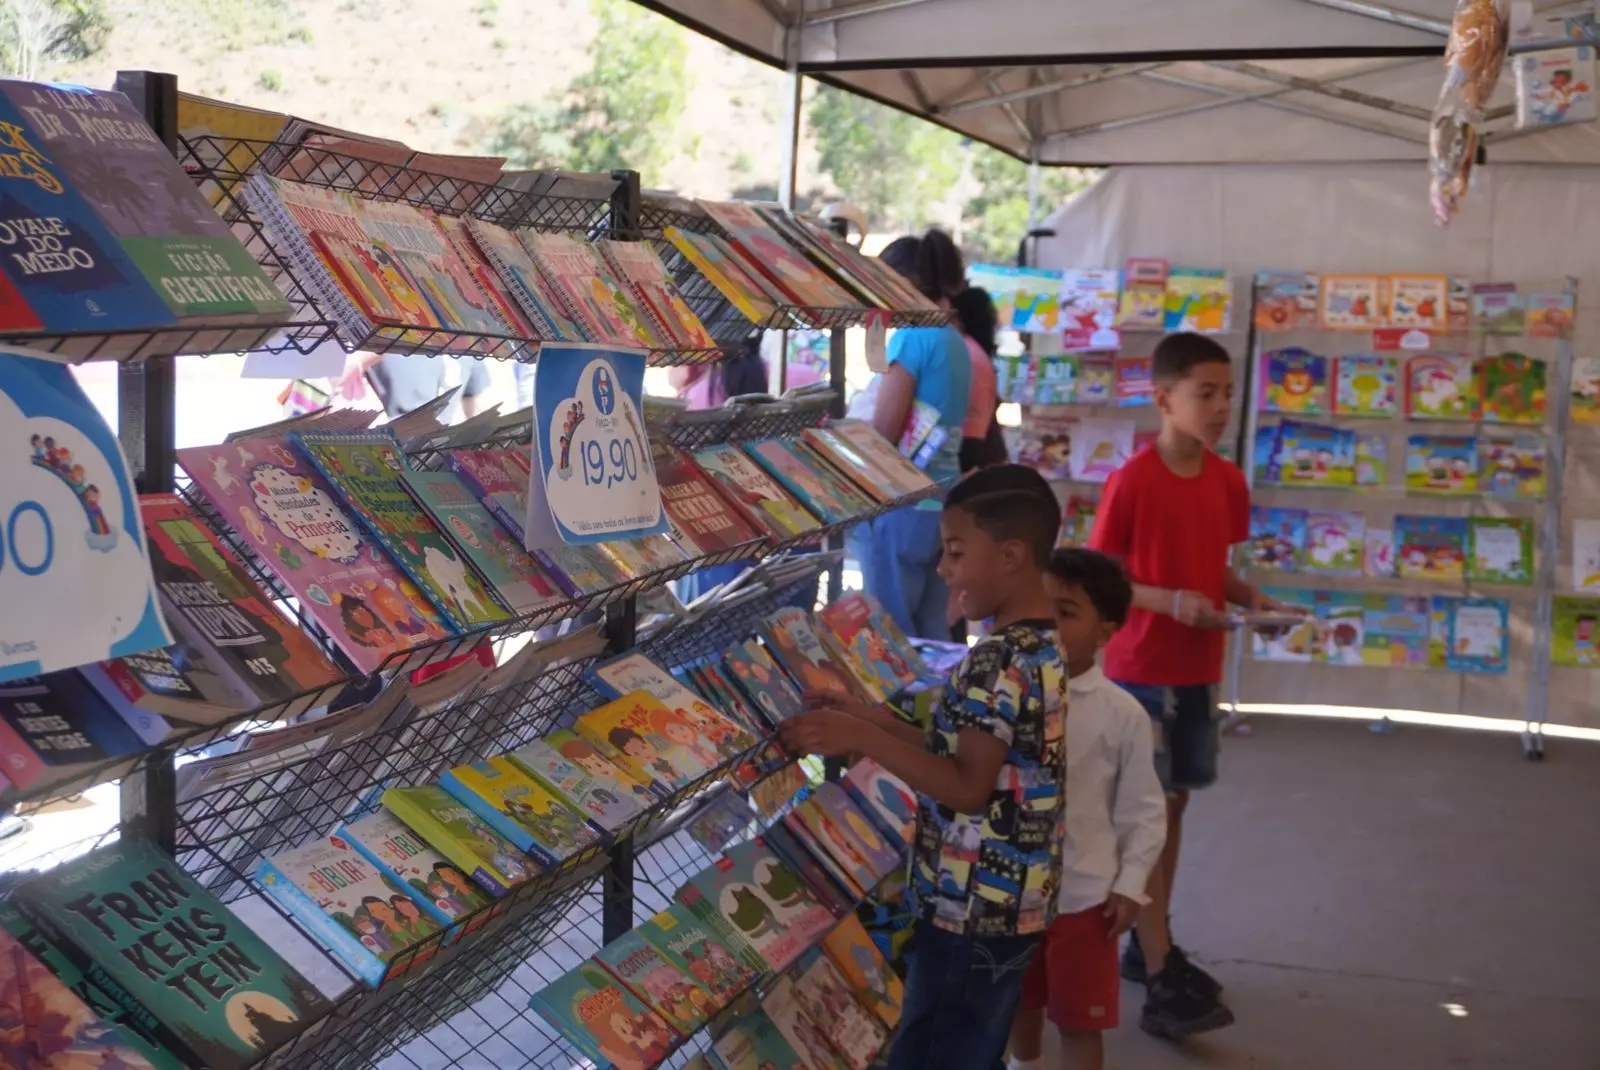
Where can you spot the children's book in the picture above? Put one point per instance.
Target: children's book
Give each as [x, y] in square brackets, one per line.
[636, 732]
[1556, 86]
[1575, 632]
[760, 900]
[873, 644]
[1419, 302]
[610, 774]
[1497, 308]
[453, 296]
[1277, 538]
[1089, 309]
[856, 1034]
[522, 280]
[1286, 301]
[46, 1025]
[694, 503]
[825, 887]
[793, 642]
[698, 950]
[603, 1020]
[865, 970]
[862, 470]
[720, 821]
[1500, 549]
[805, 1035]
[839, 816]
[1460, 301]
[1379, 556]
[1440, 610]
[655, 982]
[746, 484]
[1341, 622]
[466, 257]
[365, 469]
[802, 282]
[752, 1042]
[588, 291]
[1586, 556]
[217, 995]
[1372, 461]
[1143, 306]
[1294, 381]
[1014, 378]
[1550, 315]
[584, 780]
[637, 558]
[1442, 464]
[749, 293]
[1297, 642]
[1044, 443]
[1335, 543]
[521, 583]
[1351, 302]
[1479, 635]
[1365, 385]
[1586, 390]
[885, 799]
[441, 889]
[1512, 387]
[1095, 382]
[847, 869]
[521, 809]
[696, 729]
[888, 467]
[1430, 548]
[1077, 520]
[1441, 387]
[819, 488]
[1396, 631]
[1199, 300]
[352, 907]
[461, 837]
[763, 681]
[1314, 455]
[498, 478]
[1099, 448]
[1134, 385]
[654, 292]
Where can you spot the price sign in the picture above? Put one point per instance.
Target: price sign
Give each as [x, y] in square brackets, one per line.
[72, 548]
[593, 480]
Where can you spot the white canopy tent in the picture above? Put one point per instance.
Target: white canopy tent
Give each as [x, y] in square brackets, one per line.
[1101, 82]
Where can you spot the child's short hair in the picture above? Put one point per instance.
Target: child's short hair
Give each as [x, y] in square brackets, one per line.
[1177, 354]
[1011, 501]
[1098, 576]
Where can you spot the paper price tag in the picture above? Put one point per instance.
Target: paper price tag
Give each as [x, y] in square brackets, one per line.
[878, 341]
[593, 480]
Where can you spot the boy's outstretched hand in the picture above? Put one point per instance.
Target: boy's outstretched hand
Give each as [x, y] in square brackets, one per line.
[1120, 913]
[829, 732]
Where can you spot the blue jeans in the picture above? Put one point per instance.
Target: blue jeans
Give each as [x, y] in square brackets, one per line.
[961, 994]
[899, 558]
[1188, 734]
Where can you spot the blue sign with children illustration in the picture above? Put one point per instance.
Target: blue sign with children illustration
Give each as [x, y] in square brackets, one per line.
[72, 548]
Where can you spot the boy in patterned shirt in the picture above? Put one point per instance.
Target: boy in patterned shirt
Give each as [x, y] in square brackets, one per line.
[989, 776]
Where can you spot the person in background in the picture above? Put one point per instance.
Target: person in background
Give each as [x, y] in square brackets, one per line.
[899, 553]
[404, 382]
[981, 441]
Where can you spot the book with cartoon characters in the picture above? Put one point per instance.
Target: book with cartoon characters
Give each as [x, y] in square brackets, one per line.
[655, 293]
[585, 780]
[1351, 302]
[857, 1036]
[1341, 625]
[456, 300]
[832, 816]
[353, 908]
[1500, 549]
[763, 681]
[873, 645]
[745, 289]
[1313, 455]
[762, 248]
[865, 970]
[462, 837]
[697, 729]
[793, 642]
[1497, 308]
[1440, 387]
[1197, 299]
[657, 983]
[887, 468]
[1431, 548]
[1099, 448]
[747, 484]
[521, 809]
[1096, 382]
[838, 896]
[885, 799]
[522, 280]
[1396, 631]
[1334, 543]
[1300, 641]
[1575, 632]
[1512, 387]
[700, 951]
[1077, 520]
[1419, 302]
[603, 1020]
[641, 734]
[1442, 464]
[1585, 398]
[1286, 301]
[434, 884]
[1044, 443]
[817, 486]
[1479, 635]
[761, 901]
[589, 292]
[365, 467]
[1556, 86]
[1294, 381]
[1277, 538]
[291, 519]
[1371, 461]
[1143, 306]
[1550, 315]
[805, 1035]
[1365, 385]
[753, 1042]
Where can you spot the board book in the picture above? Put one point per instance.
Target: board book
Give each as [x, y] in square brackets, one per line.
[290, 518]
[804, 1035]
[1440, 387]
[873, 644]
[761, 901]
[865, 970]
[1430, 547]
[521, 809]
[657, 983]
[848, 819]
[584, 780]
[763, 681]
[463, 838]
[697, 950]
[793, 643]
[435, 884]
[1513, 389]
[857, 1036]
[813, 483]
[611, 774]
[633, 732]
[1294, 381]
[885, 799]
[708, 734]
[604, 1020]
[1277, 538]
[352, 907]
[746, 484]
[169, 952]
[1365, 385]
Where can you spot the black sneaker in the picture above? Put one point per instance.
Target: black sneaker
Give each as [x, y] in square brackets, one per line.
[1173, 1009]
[1133, 968]
[1197, 979]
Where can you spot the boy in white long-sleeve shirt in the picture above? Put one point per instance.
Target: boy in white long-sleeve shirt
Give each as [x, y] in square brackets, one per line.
[1116, 822]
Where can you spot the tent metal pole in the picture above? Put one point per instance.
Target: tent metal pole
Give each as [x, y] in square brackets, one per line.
[851, 11]
[947, 100]
[1296, 109]
[1011, 113]
[1105, 74]
[1311, 85]
[1033, 184]
[1393, 16]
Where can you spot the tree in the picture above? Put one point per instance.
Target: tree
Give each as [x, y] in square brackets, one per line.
[33, 32]
[997, 215]
[622, 112]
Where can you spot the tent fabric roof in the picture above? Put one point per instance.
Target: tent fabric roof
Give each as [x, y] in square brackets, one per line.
[1102, 82]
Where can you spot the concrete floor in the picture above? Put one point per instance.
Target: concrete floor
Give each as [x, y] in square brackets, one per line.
[1420, 901]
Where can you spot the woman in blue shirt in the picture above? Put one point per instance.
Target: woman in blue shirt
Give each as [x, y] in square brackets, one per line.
[899, 553]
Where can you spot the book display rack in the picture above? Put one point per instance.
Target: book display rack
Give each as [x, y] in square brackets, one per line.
[229, 799]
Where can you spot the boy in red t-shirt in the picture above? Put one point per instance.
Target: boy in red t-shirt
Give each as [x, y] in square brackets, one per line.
[1172, 514]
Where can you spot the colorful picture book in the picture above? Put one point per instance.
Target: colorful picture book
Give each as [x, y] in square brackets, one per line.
[753, 1042]
[885, 799]
[760, 900]
[1134, 386]
[857, 1036]
[1420, 302]
[696, 506]
[1440, 387]
[1478, 635]
[1312, 455]
[1277, 538]
[1095, 382]
[1365, 386]
[801, 282]
[875, 648]
[1497, 308]
[1341, 620]
[1550, 315]
[352, 907]
[1575, 632]
[745, 290]
[747, 484]
[1199, 300]
[588, 292]
[453, 296]
[522, 279]
[1351, 302]
[604, 1020]
[1099, 448]
[1335, 543]
[697, 950]
[637, 732]
[1512, 467]
[1397, 628]
[463, 838]
[886, 467]
[611, 775]
[521, 809]
[434, 884]
[1044, 443]
[1294, 381]
[1143, 306]
[1442, 464]
[1500, 549]
[817, 486]
[673, 322]
[1586, 556]
[365, 468]
[697, 729]
[1089, 309]
[1431, 548]
[833, 821]
[1512, 387]
[764, 681]
[660, 985]
[794, 644]
[865, 970]
[583, 779]
[1286, 301]
[806, 1036]
[218, 996]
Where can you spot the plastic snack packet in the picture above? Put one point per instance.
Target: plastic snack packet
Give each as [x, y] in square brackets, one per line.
[1472, 61]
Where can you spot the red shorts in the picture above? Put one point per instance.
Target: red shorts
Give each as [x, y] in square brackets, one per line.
[1074, 976]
